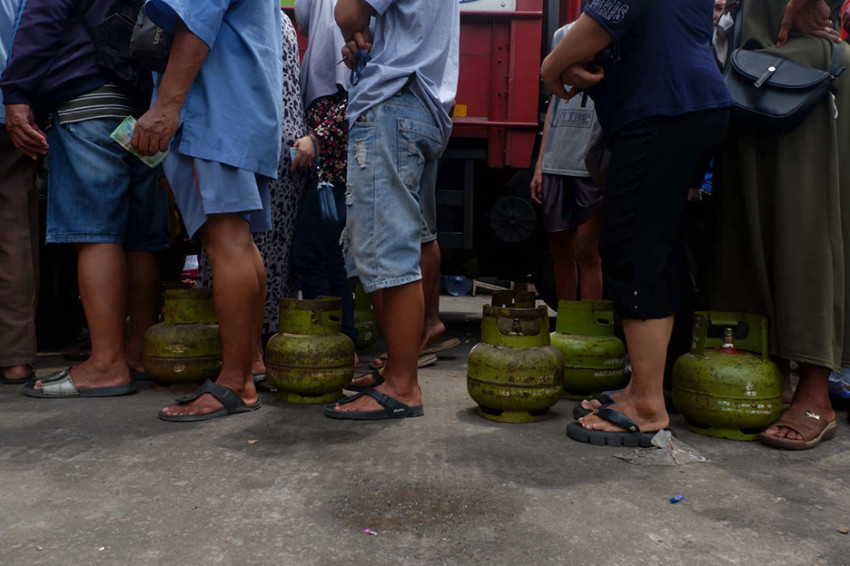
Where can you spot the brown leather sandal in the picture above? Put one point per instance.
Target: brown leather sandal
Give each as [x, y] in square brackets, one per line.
[808, 424]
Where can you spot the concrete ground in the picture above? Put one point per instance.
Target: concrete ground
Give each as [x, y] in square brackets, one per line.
[103, 481]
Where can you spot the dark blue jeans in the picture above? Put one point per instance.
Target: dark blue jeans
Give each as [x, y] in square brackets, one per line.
[317, 256]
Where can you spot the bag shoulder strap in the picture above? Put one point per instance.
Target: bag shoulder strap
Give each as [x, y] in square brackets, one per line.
[739, 25]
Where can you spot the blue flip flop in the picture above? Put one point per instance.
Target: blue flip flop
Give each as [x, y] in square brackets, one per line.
[633, 436]
[392, 409]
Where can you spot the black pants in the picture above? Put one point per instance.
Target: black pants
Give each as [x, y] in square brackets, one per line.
[653, 164]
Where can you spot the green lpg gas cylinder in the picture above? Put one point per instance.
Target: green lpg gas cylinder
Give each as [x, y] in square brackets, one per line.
[594, 359]
[513, 299]
[726, 386]
[308, 360]
[365, 320]
[514, 374]
[186, 346]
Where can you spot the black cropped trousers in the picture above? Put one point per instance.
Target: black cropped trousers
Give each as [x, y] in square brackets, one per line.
[654, 162]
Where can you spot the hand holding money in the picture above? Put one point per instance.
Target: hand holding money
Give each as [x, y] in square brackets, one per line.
[123, 135]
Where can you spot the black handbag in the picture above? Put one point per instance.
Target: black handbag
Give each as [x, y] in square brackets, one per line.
[773, 94]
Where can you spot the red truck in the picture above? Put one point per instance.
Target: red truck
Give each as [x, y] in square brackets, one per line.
[487, 222]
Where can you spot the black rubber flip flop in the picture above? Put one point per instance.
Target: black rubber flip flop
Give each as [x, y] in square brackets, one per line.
[633, 437]
[579, 411]
[233, 404]
[379, 379]
[392, 409]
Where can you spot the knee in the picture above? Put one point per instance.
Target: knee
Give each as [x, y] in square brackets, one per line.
[587, 256]
[225, 234]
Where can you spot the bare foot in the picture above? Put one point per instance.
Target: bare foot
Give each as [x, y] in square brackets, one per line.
[365, 380]
[431, 333]
[367, 403]
[16, 373]
[648, 416]
[206, 403]
[593, 404]
[90, 374]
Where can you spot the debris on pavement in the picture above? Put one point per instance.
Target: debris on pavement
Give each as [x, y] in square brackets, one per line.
[844, 531]
[667, 451]
[370, 532]
[676, 498]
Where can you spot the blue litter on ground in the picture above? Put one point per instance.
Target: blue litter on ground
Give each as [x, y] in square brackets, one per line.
[676, 498]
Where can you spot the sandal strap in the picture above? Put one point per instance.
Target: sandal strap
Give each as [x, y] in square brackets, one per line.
[807, 424]
[605, 399]
[616, 418]
[385, 401]
[231, 401]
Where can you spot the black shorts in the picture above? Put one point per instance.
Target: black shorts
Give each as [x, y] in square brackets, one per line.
[653, 164]
[569, 202]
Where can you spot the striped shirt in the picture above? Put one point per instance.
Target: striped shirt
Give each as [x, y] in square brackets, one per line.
[108, 101]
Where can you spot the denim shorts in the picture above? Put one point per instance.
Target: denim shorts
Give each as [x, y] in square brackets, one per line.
[204, 187]
[393, 152]
[98, 192]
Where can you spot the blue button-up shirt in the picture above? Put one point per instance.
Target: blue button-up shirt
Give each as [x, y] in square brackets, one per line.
[412, 36]
[9, 11]
[232, 113]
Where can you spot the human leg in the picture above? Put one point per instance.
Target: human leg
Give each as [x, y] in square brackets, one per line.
[589, 262]
[142, 302]
[429, 264]
[102, 278]
[563, 246]
[18, 261]
[642, 218]
[237, 291]
[207, 192]
[643, 398]
[386, 164]
[100, 212]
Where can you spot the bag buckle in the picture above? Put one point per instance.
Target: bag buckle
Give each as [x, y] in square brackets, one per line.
[767, 74]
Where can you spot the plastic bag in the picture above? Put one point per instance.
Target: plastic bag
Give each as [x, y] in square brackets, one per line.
[667, 451]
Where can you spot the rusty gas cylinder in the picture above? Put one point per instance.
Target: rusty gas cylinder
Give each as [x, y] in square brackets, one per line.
[185, 347]
[309, 360]
[513, 299]
[365, 320]
[514, 374]
[727, 386]
[594, 359]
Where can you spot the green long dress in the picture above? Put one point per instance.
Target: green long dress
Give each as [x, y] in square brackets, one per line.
[784, 214]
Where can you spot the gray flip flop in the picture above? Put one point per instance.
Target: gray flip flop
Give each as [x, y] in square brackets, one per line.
[61, 386]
